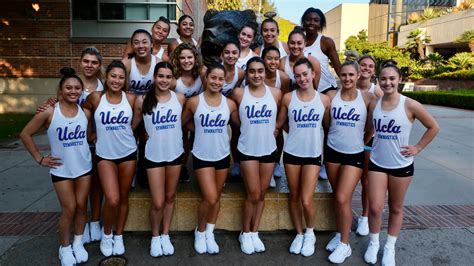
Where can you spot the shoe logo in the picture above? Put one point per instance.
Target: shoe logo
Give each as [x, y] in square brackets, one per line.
[359, 163]
[408, 172]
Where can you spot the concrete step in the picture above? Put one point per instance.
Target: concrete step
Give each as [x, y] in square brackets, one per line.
[276, 215]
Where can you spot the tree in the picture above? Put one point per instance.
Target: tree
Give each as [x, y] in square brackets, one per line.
[224, 4]
[260, 6]
[467, 36]
[286, 27]
[416, 43]
[461, 61]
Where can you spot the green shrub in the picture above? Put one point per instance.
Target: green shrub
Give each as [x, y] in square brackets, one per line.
[467, 74]
[459, 99]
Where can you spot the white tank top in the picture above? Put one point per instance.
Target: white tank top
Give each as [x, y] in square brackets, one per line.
[277, 80]
[211, 142]
[179, 41]
[113, 123]
[160, 53]
[190, 91]
[86, 92]
[165, 136]
[141, 84]
[372, 88]
[327, 80]
[346, 132]
[228, 87]
[289, 72]
[68, 140]
[304, 120]
[242, 62]
[257, 123]
[280, 48]
[392, 131]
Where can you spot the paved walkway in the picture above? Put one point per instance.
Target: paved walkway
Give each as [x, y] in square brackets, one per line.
[440, 201]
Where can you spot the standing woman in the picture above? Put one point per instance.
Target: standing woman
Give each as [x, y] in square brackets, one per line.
[116, 152]
[161, 110]
[159, 31]
[364, 83]
[246, 37]
[189, 74]
[185, 31]
[306, 110]
[270, 31]
[70, 161]
[140, 76]
[322, 48]
[256, 149]
[211, 112]
[90, 65]
[391, 161]
[344, 154]
[296, 42]
[233, 74]
[276, 78]
[233, 79]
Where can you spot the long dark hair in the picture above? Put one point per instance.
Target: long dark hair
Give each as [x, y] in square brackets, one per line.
[150, 100]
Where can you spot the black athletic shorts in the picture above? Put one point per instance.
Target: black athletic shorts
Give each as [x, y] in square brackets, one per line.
[218, 165]
[399, 172]
[56, 178]
[333, 156]
[131, 157]
[295, 160]
[329, 89]
[151, 164]
[270, 158]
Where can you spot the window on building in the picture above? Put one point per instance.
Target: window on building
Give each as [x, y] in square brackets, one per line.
[123, 10]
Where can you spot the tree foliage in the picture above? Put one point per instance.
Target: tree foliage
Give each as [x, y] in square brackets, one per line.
[262, 6]
[224, 4]
[286, 27]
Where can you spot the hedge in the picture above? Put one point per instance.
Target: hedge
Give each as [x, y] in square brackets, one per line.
[466, 74]
[456, 98]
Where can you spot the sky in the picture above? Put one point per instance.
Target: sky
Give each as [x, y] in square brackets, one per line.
[293, 9]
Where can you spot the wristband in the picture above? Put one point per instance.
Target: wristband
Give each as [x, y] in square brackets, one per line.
[40, 161]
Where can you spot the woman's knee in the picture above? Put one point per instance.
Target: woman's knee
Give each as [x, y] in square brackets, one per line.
[113, 201]
[169, 197]
[395, 209]
[307, 203]
[342, 199]
[375, 209]
[254, 196]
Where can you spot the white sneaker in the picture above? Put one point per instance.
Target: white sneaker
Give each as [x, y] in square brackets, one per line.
[119, 248]
[322, 172]
[257, 242]
[155, 247]
[388, 258]
[246, 243]
[200, 242]
[272, 182]
[362, 226]
[308, 245]
[331, 246]
[86, 238]
[168, 248]
[340, 254]
[94, 228]
[278, 170]
[66, 257]
[370, 255]
[211, 244]
[80, 252]
[106, 245]
[297, 244]
[235, 169]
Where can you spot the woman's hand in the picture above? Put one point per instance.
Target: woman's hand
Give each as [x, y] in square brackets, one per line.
[50, 161]
[409, 150]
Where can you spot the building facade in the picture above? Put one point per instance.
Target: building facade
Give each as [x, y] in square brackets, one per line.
[38, 38]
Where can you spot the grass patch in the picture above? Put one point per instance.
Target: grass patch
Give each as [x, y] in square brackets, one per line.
[453, 98]
[12, 124]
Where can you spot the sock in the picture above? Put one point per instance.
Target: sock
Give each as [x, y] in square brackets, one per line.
[309, 231]
[374, 238]
[364, 218]
[77, 239]
[210, 228]
[391, 242]
[95, 222]
[155, 237]
[338, 234]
